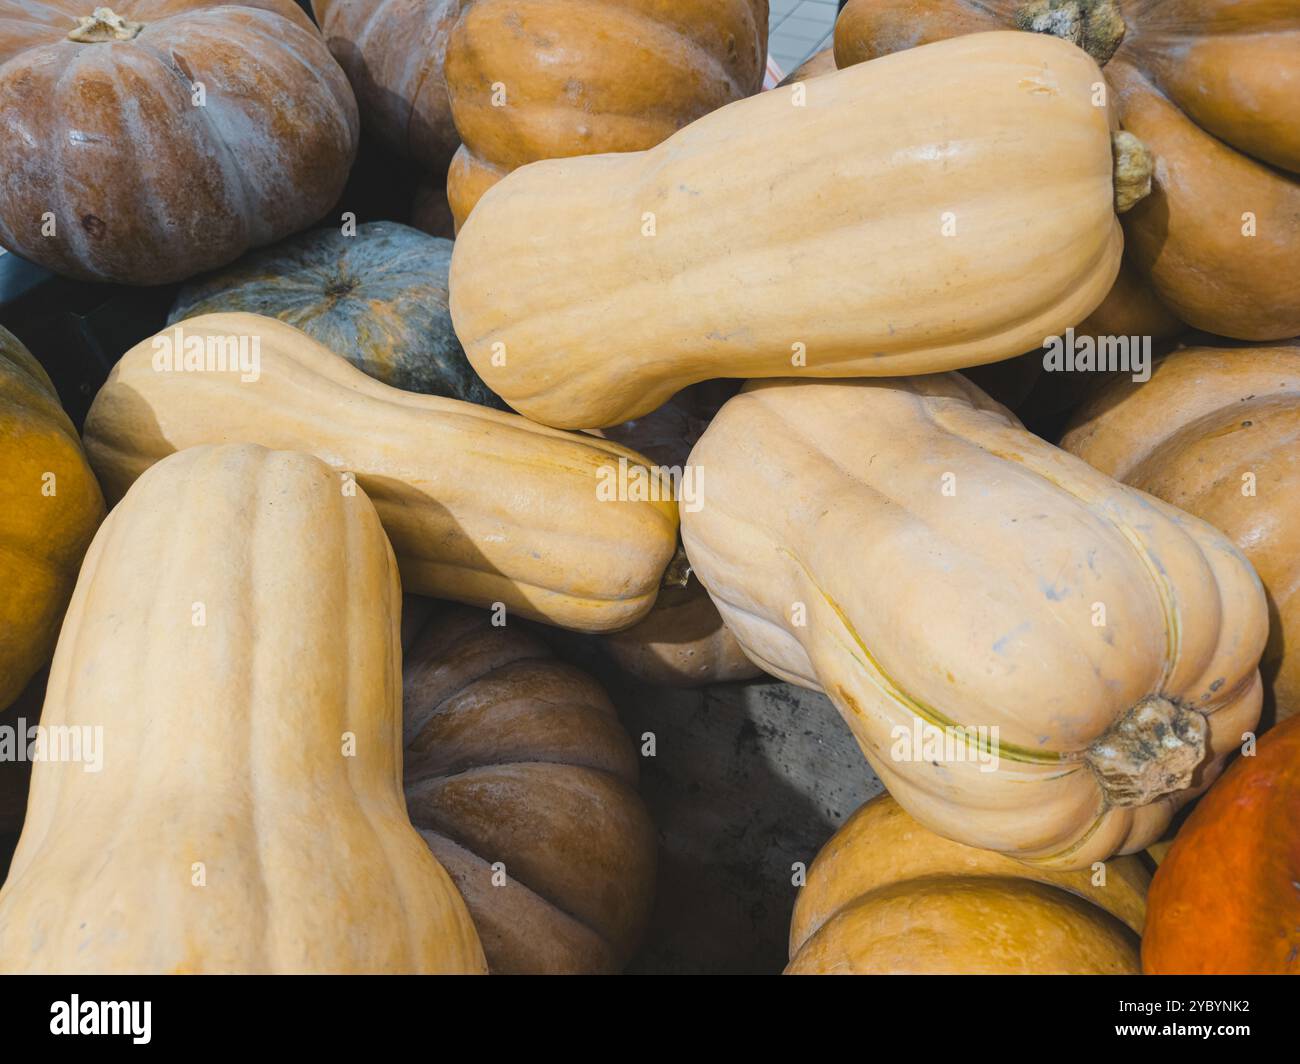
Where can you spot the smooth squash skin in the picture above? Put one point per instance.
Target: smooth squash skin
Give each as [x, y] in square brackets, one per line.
[549, 79]
[1216, 432]
[906, 547]
[115, 169]
[1209, 87]
[969, 219]
[50, 506]
[1224, 900]
[481, 506]
[887, 896]
[521, 780]
[378, 297]
[228, 829]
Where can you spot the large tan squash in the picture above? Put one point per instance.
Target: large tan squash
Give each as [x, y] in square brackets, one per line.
[971, 217]
[1209, 86]
[908, 548]
[546, 79]
[1216, 432]
[235, 632]
[523, 783]
[887, 896]
[482, 506]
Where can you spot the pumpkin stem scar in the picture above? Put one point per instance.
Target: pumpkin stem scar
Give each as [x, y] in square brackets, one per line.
[104, 26]
[1096, 26]
[1133, 169]
[1151, 751]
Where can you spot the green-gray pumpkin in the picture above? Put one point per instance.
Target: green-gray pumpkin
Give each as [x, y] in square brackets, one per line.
[378, 298]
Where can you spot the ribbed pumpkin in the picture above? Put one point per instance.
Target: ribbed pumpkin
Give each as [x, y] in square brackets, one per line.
[235, 633]
[1225, 899]
[1216, 432]
[482, 506]
[886, 896]
[377, 297]
[50, 506]
[548, 79]
[906, 547]
[1209, 87]
[767, 238]
[117, 170]
[523, 783]
[392, 52]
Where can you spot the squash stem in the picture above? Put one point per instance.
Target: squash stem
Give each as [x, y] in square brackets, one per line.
[104, 26]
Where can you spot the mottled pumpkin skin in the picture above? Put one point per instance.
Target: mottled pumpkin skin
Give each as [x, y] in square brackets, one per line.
[1209, 87]
[43, 536]
[583, 78]
[515, 758]
[887, 896]
[378, 298]
[144, 186]
[392, 52]
[1226, 899]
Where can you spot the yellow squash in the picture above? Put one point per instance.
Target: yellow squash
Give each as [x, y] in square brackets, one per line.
[50, 506]
[946, 207]
[235, 637]
[886, 896]
[908, 548]
[481, 506]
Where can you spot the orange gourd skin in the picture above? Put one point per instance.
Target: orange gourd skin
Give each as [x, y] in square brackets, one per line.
[1216, 432]
[885, 895]
[1209, 87]
[513, 757]
[50, 506]
[548, 79]
[143, 186]
[1225, 899]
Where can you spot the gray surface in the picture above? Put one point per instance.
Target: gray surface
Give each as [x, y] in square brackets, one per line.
[747, 779]
[798, 28]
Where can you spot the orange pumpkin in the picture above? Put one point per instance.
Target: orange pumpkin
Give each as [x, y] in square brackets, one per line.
[1209, 87]
[1226, 898]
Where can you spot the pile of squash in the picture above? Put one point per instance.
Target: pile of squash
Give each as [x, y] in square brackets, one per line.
[734, 383]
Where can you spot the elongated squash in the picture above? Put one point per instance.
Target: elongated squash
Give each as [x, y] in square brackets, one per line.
[481, 506]
[235, 637]
[945, 207]
[1034, 658]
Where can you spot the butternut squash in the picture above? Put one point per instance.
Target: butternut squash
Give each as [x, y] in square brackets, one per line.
[482, 506]
[1034, 658]
[971, 217]
[887, 896]
[1214, 432]
[235, 636]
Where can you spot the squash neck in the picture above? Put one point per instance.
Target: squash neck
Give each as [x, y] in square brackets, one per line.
[103, 27]
[1096, 26]
[1153, 750]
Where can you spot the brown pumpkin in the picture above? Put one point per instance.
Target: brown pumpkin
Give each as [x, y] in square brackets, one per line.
[885, 895]
[392, 52]
[50, 506]
[1209, 87]
[148, 143]
[814, 66]
[1225, 899]
[523, 783]
[1215, 432]
[548, 79]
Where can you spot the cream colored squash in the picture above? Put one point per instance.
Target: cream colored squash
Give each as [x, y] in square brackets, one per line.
[237, 619]
[481, 506]
[908, 548]
[945, 207]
